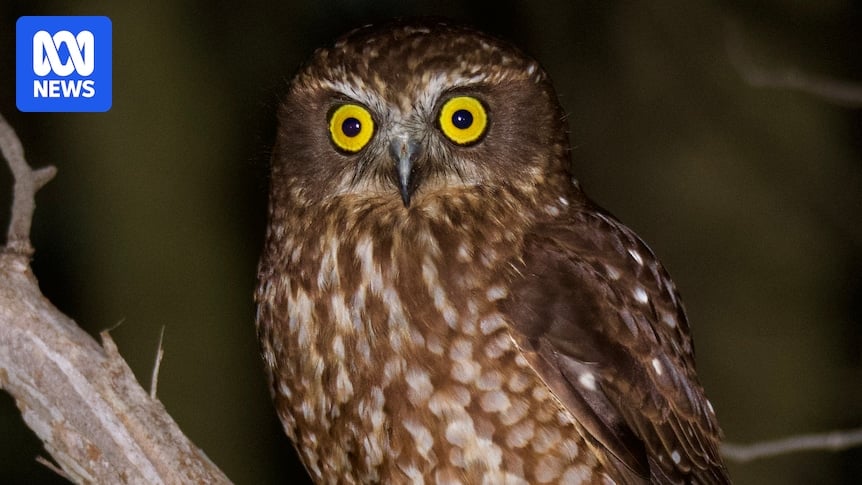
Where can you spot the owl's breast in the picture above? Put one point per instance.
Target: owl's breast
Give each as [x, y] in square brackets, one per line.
[391, 361]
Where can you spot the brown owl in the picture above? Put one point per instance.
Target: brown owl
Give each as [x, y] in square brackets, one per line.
[438, 300]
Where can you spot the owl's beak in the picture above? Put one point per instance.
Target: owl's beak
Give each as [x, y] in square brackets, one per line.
[404, 152]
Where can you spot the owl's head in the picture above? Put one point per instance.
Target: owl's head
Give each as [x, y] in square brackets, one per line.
[408, 110]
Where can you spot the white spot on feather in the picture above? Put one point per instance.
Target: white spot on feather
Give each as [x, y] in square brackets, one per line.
[461, 349]
[636, 256]
[669, 320]
[546, 438]
[569, 449]
[520, 434]
[433, 344]
[284, 390]
[494, 401]
[338, 347]
[460, 431]
[393, 369]
[307, 410]
[498, 345]
[576, 475]
[432, 282]
[421, 436]
[416, 337]
[373, 451]
[490, 380]
[496, 293]
[397, 318]
[518, 382]
[370, 271]
[301, 306]
[413, 474]
[464, 254]
[492, 323]
[343, 386]
[588, 380]
[640, 294]
[340, 313]
[657, 366]
[465, 371]
[419, 386]
[515, 412]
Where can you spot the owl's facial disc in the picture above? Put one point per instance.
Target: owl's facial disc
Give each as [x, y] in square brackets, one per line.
[404, 152]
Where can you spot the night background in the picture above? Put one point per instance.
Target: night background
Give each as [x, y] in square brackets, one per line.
[751, 196]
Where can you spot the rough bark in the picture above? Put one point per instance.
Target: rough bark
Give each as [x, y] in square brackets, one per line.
[79, 397]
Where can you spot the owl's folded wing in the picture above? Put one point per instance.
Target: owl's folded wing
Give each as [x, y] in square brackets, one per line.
[599, 319]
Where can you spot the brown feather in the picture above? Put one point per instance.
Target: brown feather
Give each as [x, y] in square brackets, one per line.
[591, 303]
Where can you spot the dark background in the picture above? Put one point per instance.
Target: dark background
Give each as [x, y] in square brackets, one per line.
[751, 196]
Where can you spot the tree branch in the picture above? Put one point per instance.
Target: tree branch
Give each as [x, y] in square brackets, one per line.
[27, 182]
[842, 93]
[832, 441]
[80, 398]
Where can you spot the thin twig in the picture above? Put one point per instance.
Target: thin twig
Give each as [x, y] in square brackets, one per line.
[832, 441]
[54, 468]
[27, 182]
[842, 93]
[160, 353]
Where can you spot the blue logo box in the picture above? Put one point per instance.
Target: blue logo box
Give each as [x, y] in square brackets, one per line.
[63, 64]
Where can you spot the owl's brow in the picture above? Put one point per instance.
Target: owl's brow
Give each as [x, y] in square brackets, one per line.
[434, 87]
[438, 86]
[351, 92]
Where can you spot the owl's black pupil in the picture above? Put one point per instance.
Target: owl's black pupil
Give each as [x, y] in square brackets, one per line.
[351, 127]
[462, 119]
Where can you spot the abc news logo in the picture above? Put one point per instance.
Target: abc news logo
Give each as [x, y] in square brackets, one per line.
[63, 64]
[46, 59]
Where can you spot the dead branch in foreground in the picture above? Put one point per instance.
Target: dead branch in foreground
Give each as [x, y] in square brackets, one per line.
[79, 397]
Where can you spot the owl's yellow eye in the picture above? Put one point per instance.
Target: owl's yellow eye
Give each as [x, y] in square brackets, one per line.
[351, 127]
[463, 120]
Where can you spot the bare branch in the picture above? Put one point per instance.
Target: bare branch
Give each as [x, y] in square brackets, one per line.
[832, 441]
[842, 93]
[80, 398]
[27, 182]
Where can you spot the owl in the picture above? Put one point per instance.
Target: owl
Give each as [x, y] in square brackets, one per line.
[438, 300]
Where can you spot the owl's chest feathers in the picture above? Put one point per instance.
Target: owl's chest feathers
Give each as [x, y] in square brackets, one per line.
[387, 340]
[390, 316]
[373, 289]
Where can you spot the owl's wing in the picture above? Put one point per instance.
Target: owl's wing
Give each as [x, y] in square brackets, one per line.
[599, 319]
